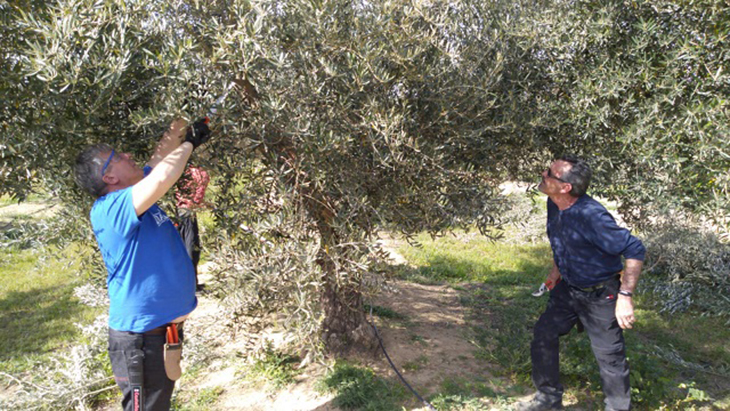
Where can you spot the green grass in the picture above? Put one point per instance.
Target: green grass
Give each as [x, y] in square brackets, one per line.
[674, 358]
[35, 197]
[466, 395]
[458, 258]
[358, 388]
[37, 307]
[202, 400]
[274, 369]
[6, 200]
[32, 197]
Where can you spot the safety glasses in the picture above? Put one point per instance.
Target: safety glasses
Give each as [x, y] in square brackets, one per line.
[108, 160]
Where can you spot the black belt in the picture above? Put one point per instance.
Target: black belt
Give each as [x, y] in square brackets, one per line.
[161, 330]
[596, 286]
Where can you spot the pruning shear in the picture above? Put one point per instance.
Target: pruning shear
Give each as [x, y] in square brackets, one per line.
[201, 126]
[217, 103]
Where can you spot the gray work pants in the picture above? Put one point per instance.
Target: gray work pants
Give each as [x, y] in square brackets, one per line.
[597, 311]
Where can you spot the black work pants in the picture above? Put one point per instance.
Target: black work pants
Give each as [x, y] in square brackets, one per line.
[188, 228]
[158, 388]
[597, 311]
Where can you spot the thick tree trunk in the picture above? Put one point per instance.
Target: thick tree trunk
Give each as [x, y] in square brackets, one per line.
[344, 328]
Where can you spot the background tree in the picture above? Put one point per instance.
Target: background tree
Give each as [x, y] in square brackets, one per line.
[19, 155]
[641, 87]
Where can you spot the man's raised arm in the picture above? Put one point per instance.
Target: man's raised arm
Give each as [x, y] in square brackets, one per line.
[170, 167]
[171, 139]
[161, 178]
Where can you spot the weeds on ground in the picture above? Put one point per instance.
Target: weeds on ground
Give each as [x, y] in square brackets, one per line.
[416, 364]
[466, 395]
[358, 388]
[202, 400]
[272, 368]
[383, 312]
[415, 338]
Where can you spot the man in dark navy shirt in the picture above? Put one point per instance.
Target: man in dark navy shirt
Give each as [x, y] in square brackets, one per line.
[587, 248]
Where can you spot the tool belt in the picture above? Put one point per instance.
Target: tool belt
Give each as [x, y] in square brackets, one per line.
[172, 350]
[598, 286]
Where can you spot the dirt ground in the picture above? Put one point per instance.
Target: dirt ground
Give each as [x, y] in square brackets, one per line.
[429, 345]
[26, 209]
[436, 338]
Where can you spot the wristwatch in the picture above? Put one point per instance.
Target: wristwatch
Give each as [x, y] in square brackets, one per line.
[626, 293]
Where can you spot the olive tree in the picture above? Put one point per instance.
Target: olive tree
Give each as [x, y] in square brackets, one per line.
[344, 118]
[641, 87]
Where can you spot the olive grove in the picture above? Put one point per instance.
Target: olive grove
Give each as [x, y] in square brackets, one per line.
[345, 118]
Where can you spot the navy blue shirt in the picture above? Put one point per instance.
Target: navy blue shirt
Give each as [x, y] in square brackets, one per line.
[587, 243]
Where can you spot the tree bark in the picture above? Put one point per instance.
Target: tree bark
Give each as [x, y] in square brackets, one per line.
[344, 328]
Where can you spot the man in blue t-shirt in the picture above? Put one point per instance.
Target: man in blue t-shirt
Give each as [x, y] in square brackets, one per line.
[151, 280]
[592, 286]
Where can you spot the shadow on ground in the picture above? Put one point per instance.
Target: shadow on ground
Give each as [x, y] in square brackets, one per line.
[28, 320]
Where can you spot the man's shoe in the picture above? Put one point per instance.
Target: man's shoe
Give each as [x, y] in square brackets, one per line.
[536, 404]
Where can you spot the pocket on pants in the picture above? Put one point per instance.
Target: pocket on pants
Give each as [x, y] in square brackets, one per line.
[119, 368]
[608, 294]
[121, 346]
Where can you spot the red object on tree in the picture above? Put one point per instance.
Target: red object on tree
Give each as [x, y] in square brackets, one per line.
[191, 189]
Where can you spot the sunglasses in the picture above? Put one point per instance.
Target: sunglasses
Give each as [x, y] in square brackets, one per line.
[551, 175]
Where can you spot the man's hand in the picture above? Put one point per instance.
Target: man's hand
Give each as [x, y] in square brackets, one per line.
[177, 128]
[198, 133]
[625, 312]
[553, 277]
[624, 304]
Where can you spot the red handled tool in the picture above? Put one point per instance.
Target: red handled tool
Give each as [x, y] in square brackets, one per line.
[172, 335]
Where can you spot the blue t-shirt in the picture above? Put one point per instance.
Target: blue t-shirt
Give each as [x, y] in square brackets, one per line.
[587, 243]
[151, 279]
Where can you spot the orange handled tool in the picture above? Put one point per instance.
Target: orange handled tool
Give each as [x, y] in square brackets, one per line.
[172, 336]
